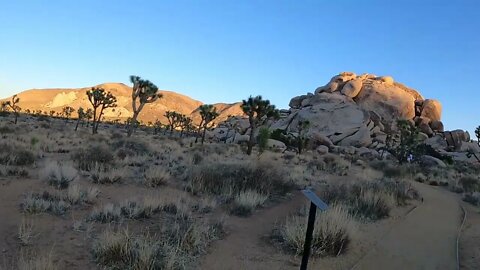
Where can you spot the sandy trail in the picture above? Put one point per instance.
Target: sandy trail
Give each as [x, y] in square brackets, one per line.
[245, 247]
[425, 239]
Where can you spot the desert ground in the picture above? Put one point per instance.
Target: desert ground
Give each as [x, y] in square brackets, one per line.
[73, 200]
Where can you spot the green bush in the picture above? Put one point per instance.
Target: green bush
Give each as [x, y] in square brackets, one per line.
[263, 136]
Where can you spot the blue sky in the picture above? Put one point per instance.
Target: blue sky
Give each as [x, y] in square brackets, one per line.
[226, 50]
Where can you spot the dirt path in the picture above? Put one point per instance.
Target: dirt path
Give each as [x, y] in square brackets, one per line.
[425, 239]
[245, 247]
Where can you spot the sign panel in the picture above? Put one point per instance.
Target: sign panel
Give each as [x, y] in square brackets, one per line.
[315, 199]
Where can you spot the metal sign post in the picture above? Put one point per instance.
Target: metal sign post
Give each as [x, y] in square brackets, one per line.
[315, 202]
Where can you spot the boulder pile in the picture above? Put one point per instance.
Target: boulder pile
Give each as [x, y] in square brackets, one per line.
[354, 114]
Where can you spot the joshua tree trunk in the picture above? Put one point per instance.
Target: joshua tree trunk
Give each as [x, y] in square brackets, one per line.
[94, 120]
[78, 122]
[204, 132]
[16, 117]
[133, 120]
[251, 140]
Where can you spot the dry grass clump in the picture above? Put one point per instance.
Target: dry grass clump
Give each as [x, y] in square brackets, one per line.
[370, 200]
[107, 213]
[229, 180]
[81, 195]
[155, 176]
[35, 203]
[100, 174]
[28, 261]
[176, 246]
[94, 155]
[15, 155]
[26, 232]
[139, 209]
[330, 163]
[246, 202]
[6, 170]
[130, 147]
[332, 233]
[59, 175]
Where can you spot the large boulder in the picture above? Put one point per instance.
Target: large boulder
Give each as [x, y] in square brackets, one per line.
[429, 161]
[361, 138]
[274, 144]
[390, 101]
[455, 138]
[352, 88]
[296, 102]
[331, 116]
[432, 109]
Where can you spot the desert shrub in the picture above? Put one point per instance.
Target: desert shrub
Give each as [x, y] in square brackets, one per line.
[135, 146]
[246, 201]
[59, 175]
[78, 195]
[29, 261]
[155, 176]
[6, 130]
[100, 174]
[15, 155]
[175, 247]
[25, 232]
[262, 139]
[470, 183]
[370, 200]
[135, 210]
[35, 203]
[473, 198]
[108, 213]
[331, 163]
[87, 158]
[332, 233]
[232, 178]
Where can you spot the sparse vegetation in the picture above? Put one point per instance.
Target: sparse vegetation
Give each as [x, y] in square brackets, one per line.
[155, 177]
[94, 155]
[371, 200]
[59, 175]
[332, 233]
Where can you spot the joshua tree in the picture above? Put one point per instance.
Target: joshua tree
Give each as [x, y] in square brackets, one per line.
[185, 124]
[132, 124]
[303, 126]
[143, 92]
[231, 124]
[405, 144]
[81, 115]
[208, 114]
[100, 100]
[157, 126]
[67, 112]
[174, 120]
[258, 111]
[12, 104]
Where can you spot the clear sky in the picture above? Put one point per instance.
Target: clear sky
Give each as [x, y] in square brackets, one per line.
[223, 51]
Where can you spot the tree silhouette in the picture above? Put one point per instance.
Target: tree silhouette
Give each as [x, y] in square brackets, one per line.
[208, 114]
[258, 111]
[12, 104]
[100, 100]
[143, 92]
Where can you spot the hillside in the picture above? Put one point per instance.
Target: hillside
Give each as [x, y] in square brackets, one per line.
[55, 99]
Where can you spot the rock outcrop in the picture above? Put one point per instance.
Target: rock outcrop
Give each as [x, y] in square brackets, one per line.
[353, 110]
